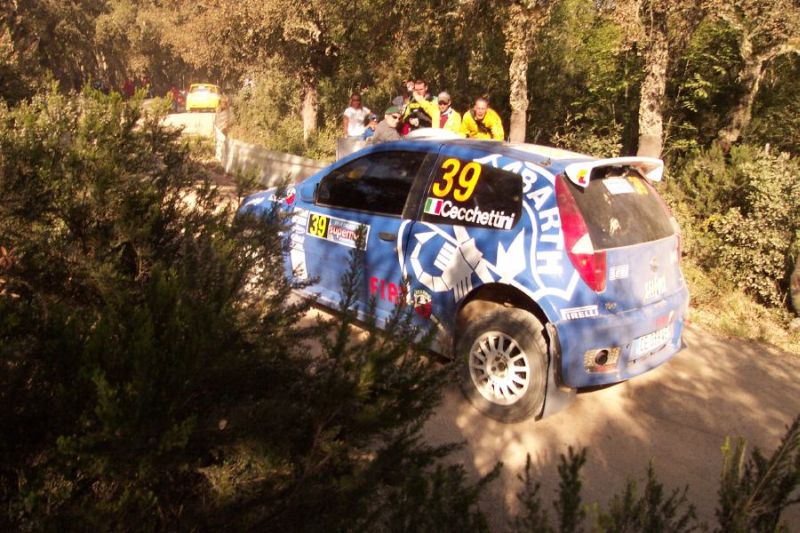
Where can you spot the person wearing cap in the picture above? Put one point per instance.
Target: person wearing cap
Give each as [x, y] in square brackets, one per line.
[481, 122]
[387, 128]
[449, 118]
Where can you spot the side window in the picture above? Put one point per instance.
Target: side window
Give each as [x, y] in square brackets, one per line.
[469, 193]
[378, 183]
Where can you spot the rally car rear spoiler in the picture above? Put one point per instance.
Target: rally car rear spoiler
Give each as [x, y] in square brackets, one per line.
[650, 167]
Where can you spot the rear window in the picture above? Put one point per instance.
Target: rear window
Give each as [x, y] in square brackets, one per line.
[621, 209]
[469, 193]
[204, 89]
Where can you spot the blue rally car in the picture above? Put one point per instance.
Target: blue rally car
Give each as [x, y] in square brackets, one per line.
[543, 270]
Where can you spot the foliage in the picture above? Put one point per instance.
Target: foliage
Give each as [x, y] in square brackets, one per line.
[753, 496]
[776, 114]
[155, 373]
[743, 220]
[585, 87]
[702, 88]
[267, 113]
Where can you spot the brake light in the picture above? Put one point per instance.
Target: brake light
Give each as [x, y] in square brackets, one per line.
[591, 265]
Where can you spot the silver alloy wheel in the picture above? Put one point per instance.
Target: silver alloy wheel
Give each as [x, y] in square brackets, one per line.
[499, 368]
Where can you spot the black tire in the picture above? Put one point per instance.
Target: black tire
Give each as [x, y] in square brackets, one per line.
[503, 364]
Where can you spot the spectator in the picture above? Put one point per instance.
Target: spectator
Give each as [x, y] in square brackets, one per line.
[387, 128]
[128, 88]
[175, 97]
[353, 117]
[422, 110]
[481, 122]
[371, 123]
[449, 118]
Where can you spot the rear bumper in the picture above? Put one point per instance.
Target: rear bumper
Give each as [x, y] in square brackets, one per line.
[609, 331]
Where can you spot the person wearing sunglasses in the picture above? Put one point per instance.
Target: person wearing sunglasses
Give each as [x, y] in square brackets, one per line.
[449, 118]
[387, 128]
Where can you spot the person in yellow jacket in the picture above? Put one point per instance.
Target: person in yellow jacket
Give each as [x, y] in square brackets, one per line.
[480, 122]
[421, 110]
[449, 118]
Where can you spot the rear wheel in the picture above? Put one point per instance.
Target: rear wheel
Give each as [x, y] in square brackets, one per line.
[504, 364]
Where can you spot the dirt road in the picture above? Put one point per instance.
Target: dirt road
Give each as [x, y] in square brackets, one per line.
[677, 415]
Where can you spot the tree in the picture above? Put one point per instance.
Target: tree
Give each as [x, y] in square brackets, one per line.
[767, 29]
[523, 20]
[661, 27]
[54, 36]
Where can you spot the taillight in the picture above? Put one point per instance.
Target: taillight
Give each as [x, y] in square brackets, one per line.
[591, 265]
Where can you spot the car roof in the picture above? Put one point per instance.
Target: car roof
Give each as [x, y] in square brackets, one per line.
[549, 157]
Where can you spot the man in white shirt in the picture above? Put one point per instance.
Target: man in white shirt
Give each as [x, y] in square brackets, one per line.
[353, 117]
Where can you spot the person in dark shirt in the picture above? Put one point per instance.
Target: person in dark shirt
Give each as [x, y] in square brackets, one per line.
[387, 128]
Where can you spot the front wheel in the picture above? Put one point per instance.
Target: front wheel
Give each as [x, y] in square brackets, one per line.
[504, 364]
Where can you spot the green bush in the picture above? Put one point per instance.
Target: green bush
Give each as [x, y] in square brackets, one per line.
[740, 217]
[268, 114]
[155, 373]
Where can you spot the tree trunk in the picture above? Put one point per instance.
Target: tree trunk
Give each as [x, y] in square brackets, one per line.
[751, 76]
[310, 109]
[517, 43]
[518, 75]
[794, 286]
[651, 120]
[520, 27]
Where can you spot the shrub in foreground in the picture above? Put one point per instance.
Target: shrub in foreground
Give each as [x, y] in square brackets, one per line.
[753, 494]
[155, 373]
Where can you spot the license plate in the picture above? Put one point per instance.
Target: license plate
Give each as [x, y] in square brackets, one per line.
[651, 341]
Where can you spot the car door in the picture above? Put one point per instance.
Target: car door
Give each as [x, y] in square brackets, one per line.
[370, 192]
[469, 232]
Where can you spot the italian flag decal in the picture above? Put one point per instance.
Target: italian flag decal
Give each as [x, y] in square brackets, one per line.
[433, 206]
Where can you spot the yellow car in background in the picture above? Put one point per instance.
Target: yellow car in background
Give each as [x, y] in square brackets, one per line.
[203, 97]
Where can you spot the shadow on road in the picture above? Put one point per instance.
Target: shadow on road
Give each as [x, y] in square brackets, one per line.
[677, 415]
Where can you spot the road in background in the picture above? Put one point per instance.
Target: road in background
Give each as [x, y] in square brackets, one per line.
[192, 123]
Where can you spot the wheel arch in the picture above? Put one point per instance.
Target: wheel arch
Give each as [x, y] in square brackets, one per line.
[500, 294]
[497, 294]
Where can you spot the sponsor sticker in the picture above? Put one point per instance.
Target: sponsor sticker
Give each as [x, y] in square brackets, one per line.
[618, 185]
[655, 287]
[422, 303]
[475, 215]
[572, 313]
[338, 230]
[618, 272]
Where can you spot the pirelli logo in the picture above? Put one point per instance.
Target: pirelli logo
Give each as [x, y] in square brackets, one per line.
[579, 312]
